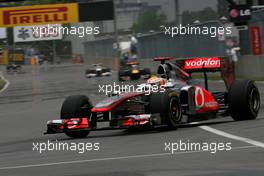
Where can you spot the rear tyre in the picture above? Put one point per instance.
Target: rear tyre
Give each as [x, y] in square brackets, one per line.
[106, 70]
[244, 100]
[76, 106]
[146, 72]
[121, 73]
[169, 106]
[134, 77]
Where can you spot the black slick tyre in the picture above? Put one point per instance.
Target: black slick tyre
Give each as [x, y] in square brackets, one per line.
[244, 100]
[76, 106]
[169, 106]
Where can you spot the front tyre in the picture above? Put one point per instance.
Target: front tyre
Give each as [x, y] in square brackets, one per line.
[76, 106]
[146, 73]
[79, 134]
[244, 100]
[169, 106]
[174, 115]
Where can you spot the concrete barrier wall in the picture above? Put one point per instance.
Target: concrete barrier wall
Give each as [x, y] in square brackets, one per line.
[250, 67]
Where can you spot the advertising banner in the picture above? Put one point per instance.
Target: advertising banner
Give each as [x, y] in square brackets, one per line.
[56, 13]
[37, 33]
[240, 13]
[256, 40]
[39, 14]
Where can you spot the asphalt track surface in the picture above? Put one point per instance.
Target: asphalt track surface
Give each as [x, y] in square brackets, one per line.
[34, 97]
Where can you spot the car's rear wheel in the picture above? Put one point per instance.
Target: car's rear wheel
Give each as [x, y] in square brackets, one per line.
[106, 70]
[169, 106]
[244, 100]
[121, 74]
[134, 76]
[146, 73]
[76, 106]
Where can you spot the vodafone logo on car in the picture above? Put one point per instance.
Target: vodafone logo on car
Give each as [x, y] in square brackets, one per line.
[199, 97]
[201, 63]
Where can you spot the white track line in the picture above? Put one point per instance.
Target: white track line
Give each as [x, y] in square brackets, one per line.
[6, 84]
[113, 158]
[193, 123]
[231, 136]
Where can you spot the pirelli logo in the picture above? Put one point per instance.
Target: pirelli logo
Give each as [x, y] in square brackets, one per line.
[41, 14]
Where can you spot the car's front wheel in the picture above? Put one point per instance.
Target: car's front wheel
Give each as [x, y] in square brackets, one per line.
[79, 134]
[76, 106]
[169, 106]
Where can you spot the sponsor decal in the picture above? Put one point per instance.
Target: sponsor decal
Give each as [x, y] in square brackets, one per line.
[256, 40]
[211, 104]
[234, 13]
[37, 33]
[202, 63]
[240, 13]
[39, 14]
[199, 97]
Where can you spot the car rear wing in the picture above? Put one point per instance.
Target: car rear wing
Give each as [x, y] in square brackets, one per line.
[198, 64]
[202, 64]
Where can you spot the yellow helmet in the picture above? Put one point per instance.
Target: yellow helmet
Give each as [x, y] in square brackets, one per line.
[154, 80]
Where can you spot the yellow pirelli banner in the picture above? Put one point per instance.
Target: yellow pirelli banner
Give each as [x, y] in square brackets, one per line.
[39, 14]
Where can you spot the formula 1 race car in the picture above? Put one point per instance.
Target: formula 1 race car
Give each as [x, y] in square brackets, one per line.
[97, 71]
[132, 71]
[13, 68]
[176, 102]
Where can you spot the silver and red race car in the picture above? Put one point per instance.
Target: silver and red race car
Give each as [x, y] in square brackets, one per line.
[97, 71]
[177, 101]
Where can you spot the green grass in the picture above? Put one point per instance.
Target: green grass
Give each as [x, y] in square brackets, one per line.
[2, 83]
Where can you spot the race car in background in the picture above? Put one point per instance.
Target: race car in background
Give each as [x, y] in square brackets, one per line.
[13, 68]
[177, 101]
[97, 71]
[132, 71]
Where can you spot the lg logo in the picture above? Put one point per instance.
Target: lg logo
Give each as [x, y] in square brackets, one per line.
[246, 12]
[234, 13]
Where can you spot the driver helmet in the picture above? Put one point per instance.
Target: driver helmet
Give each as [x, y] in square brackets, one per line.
[154, 80]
